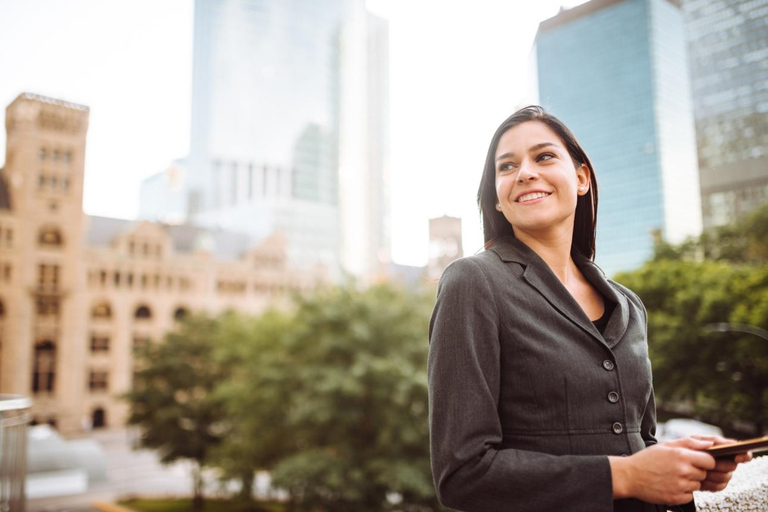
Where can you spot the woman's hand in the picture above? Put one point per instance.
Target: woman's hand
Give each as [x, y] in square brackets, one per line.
[665, 473]
[718, 478]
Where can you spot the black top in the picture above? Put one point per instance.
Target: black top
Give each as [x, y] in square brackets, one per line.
[602, 322]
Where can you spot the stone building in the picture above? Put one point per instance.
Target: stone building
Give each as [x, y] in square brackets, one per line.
[78, 292]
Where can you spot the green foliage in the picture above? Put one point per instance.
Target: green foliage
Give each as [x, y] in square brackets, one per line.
[172, 399]
[721, 277]
[358, 407]
[744, 242]
[329, 397]
[255, 394]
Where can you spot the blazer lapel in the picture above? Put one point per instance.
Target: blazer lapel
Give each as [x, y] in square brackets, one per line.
[538, 274]
[617, 324]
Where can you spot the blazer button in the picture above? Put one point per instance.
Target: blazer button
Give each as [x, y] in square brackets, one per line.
[617, 428]
[613, 397]
[608, 364]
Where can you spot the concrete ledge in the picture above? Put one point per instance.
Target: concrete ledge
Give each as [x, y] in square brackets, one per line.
[747, 491]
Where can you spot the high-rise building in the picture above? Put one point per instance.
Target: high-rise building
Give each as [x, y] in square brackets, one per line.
[728, 49]
[615, 71]
[289, 128]
[78, 292]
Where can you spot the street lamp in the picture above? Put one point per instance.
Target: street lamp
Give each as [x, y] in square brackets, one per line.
[759, 376]
[726, 327]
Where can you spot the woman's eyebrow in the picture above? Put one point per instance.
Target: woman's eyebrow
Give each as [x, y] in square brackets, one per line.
[535, 147]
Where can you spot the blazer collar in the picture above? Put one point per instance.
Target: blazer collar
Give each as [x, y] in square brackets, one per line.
[538, 275]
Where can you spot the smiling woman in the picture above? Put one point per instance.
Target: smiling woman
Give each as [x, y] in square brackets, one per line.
[540, 385]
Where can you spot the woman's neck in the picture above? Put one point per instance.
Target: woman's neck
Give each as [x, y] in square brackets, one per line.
[555, 250]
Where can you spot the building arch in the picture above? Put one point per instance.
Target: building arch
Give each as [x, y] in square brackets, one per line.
[180, 314]
[101, 309]
[143, 312]
[98, 418]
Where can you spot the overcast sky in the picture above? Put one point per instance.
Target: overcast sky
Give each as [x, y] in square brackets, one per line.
[457, 70]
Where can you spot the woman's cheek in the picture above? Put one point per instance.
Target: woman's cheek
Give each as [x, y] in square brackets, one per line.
[503, 188]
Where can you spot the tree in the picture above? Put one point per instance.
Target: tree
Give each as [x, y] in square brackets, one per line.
[723, 375]
[743, 242]
[357, 401]
[255, 394]
[172, 400]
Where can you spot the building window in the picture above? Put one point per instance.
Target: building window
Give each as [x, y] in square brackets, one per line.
[7, 272]
[42, 153]
[131, 247]
[101, 310]
[8, 237]
[99, 343]
[50, 236]
[2, 310]
[55, 155]
[48, 277]
[129, 279]
[116, 278]
[97, 381]
[180, 314]
[143, 313]
[47, 306]
[68, 157]
[44, 367]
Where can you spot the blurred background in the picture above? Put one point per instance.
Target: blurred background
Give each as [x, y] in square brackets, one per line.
[222, 223]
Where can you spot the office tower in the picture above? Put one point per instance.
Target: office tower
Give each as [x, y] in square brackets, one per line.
[615, 71]
[77, 292]
[728, 51]
[445, 244]
[289, 127]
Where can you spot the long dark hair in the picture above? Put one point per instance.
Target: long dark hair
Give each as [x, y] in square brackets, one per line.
[494, 222]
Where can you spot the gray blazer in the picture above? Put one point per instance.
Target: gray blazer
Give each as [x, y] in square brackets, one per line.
[527, 398]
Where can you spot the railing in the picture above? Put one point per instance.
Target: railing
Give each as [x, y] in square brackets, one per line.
[14, 417]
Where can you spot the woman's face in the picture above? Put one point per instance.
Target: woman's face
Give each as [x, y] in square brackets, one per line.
[537, 184]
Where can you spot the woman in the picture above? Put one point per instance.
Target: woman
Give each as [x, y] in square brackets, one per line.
[539, 377]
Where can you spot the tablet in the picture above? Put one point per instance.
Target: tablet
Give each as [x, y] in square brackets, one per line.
[757, 444]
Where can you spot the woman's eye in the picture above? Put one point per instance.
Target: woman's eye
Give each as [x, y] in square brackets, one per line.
[506, 167]
[546, 156]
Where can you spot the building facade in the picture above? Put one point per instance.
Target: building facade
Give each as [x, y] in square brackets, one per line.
[289, 97]
[77, 292]
[728, 48]
[615, 71]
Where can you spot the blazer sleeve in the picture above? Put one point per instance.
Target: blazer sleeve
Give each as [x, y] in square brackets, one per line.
[648, 427]
[472, 472]
[648, 422]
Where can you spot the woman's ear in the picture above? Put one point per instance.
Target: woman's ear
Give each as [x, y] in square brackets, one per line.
[583, 176]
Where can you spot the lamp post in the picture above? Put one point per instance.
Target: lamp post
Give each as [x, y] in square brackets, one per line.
[726, 327]
[749, 329]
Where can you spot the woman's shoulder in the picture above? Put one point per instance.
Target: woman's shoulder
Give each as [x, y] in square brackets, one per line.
[474, 270]
[629, 294]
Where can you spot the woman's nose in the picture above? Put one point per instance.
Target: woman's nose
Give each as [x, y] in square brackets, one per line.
[527, 172]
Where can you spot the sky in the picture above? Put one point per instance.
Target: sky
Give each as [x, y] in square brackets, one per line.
[457, 69]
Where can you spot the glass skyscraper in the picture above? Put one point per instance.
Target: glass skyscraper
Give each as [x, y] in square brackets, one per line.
[276, 115]
[615, 71]
[728, 47]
